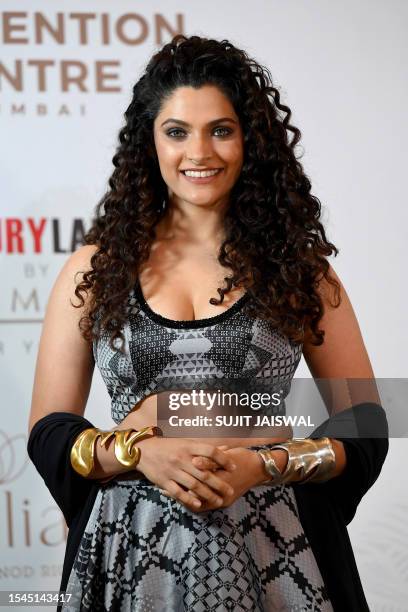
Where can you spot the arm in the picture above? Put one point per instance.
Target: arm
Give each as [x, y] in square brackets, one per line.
[340, 359]
[343, 357]
[65, 364]
[62, 381]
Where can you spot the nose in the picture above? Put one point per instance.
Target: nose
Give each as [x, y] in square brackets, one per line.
[199, 149]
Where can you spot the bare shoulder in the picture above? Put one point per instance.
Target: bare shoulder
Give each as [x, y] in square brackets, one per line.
[79, 261]
[70, 275]
[65, 363]
[343, 353]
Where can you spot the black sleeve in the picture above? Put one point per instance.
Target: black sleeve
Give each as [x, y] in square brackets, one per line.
[363, 429]
[49, 447]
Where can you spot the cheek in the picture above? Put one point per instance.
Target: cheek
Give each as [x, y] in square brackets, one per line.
[166, 151]
[234, 155]
[169, 157]
[168, 162]
[236, 161]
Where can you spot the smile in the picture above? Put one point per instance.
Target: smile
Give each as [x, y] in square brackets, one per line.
[201, 177]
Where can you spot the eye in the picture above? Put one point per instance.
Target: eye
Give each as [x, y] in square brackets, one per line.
[179, 133]
[171, 133]
[226, 130]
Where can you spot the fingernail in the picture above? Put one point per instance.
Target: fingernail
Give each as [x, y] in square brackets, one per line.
[197, 503]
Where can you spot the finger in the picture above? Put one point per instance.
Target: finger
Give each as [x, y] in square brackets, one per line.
[194, 494]
[180, 494]
[217, 483]
[215, 488]
[204, 463]
[214, 453]
[205, 506]
[202, 490]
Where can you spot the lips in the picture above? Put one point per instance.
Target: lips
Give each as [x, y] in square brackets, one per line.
[198, 180]
[199, 170]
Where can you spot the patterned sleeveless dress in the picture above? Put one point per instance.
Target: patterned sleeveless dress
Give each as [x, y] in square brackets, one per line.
[142, 551]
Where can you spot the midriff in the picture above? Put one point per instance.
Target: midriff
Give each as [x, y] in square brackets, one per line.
[144, 414]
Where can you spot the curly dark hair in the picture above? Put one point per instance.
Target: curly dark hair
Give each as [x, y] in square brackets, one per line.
[274, 242]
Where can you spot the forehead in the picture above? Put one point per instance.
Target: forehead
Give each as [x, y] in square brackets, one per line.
[187, 103]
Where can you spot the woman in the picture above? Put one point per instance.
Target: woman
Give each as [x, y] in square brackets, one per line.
[206, 188]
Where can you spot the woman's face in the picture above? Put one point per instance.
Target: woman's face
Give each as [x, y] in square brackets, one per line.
[197, 129]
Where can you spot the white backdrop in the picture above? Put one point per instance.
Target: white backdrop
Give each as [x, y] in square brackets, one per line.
[340, 68]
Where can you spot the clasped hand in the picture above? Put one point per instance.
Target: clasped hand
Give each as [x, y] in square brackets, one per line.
[239, 481]
[199, 475]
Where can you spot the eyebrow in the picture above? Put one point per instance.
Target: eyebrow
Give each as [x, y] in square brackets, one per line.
[213, 122]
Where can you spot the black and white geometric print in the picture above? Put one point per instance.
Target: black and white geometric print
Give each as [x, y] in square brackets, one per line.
[142, 551]
[158, 358]
[145, 552]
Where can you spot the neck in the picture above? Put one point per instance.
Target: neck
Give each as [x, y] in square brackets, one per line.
[200, 224]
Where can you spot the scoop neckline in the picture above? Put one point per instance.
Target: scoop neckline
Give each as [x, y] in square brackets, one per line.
[188, 323]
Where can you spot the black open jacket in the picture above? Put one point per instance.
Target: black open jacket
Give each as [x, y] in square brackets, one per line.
[325, 509]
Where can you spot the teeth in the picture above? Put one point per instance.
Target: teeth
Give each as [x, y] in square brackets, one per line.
[196, 174]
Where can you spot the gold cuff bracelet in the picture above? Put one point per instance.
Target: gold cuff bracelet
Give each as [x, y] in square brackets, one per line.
[83, 450]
